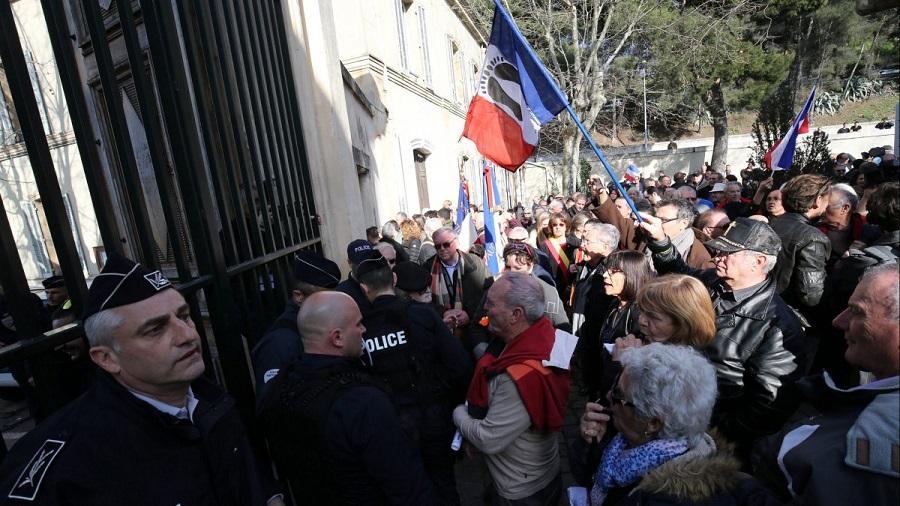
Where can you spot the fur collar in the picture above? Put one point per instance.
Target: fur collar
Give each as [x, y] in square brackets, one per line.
[707, 469]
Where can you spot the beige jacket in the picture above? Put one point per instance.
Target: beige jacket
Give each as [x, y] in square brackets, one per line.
[521, 460]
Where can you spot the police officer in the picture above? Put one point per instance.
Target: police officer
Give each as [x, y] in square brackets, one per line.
[426, 367]
[332, 428]
[357, 251]
[150, 430]
[281, 343]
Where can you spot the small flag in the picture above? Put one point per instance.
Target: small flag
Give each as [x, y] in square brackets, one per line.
[632, 174]
[515, 97]
[781, 155]
[491, 232]
[492, 193]
[465, 227]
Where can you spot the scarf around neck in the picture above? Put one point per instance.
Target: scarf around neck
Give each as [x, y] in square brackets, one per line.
[440, 290]
[621, 466]
[683, 242]
[544, 389]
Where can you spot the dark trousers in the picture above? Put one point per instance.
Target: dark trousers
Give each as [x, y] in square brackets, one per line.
[431, 428]
[547, 496]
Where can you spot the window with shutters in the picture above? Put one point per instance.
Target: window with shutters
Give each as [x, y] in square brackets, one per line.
[401, 33]
[162, 235]
[456, 71]
[423, 45]
[36, 239]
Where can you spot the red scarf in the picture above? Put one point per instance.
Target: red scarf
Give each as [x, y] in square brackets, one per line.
[544, 391]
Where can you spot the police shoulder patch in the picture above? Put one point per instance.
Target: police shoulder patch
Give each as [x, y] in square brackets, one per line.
[29, 482]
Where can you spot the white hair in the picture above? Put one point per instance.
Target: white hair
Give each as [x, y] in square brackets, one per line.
[607, 234]
[890, 300]
[675, 384]
[100, 328]
[525, 291]
[847, 195]
[771, 260]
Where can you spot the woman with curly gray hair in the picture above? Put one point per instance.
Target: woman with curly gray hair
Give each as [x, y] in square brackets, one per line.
[660, 405]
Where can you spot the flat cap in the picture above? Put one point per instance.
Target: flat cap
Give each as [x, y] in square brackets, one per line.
[316, 270]
[122, 282]
[746, 234]
[373, 261]
[412, 277]
[55, 281]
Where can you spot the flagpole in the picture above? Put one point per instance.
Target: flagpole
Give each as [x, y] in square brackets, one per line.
[574, 116]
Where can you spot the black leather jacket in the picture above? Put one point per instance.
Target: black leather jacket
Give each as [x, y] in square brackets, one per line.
[800, 271]
[759, 351]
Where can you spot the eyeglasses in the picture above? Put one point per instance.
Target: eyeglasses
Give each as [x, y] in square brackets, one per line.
[667, 220]
[721, 255]
[444, 245]
[612, 270]
[557, 224]
[616, 394]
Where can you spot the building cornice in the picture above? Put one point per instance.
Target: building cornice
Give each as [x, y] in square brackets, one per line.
[466, 14]
[369, 63]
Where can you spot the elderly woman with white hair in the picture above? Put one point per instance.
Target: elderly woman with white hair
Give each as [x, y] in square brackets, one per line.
[660, 407]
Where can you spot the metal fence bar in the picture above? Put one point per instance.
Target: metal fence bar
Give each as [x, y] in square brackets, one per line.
[70, 79]
[39, 155]
[154, 132]
[162, 34]
[292, 111]
[120, 133]
[278, 169]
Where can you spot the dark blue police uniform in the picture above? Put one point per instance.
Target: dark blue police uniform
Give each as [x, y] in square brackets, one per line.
[336, 436]
[280, 345]
[428, 371]
[110, 448]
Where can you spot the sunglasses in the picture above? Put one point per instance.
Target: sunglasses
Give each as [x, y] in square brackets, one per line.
[616, 394]
[445, 245]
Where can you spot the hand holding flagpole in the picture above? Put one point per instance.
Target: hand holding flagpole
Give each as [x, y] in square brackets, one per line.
[516, 96]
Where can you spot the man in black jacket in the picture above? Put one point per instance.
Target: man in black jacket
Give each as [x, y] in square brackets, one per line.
[760, 348]
[150, 430]
[428, 371]
[281, 343]
[800, 272]
[333, 430]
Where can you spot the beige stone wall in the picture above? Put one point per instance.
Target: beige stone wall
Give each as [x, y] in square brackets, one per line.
[414, 108]
[312, 44]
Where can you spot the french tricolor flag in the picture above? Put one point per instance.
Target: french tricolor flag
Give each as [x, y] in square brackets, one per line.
[781, 155]
[515, 97]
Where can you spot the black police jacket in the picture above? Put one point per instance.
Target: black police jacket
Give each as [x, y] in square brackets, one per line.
[336, 436]
[279, 346]
[800, 271]
[760, 350]
[410, 348]
[110, 448]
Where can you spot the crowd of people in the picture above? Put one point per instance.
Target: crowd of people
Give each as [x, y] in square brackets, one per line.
[731, 340]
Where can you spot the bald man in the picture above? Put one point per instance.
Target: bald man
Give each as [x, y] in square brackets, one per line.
[333, 431]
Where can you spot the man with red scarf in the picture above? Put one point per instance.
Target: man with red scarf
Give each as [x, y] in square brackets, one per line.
[517, 399]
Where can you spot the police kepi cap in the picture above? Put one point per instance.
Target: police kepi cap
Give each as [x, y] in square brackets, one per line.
[373, 261]
[316, 270]
[122, 282]
[358, 250]
[55, 281]
[746, 234]
[412, 277]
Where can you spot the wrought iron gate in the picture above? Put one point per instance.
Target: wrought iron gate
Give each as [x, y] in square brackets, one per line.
[219, 116]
